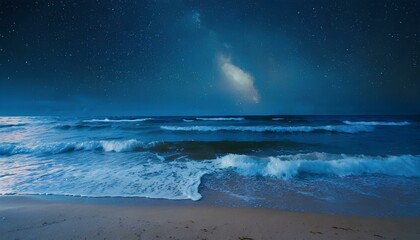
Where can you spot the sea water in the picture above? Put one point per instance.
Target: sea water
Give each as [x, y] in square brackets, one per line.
[336, 164]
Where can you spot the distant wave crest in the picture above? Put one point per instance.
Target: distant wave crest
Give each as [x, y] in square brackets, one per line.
[214, 119]
[220, 118]
[118, 120]
[375, 123]
[284, 129]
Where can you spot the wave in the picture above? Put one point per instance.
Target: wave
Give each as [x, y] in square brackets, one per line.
[6, 125]
[289, 166]
[220, 118]
[55, 148]
[283, 129]
[200, 150]
[277, 119]
[192, 149]
[118, 120]
[152, 176]
[82, 126]
[214, 119]
[375, 123]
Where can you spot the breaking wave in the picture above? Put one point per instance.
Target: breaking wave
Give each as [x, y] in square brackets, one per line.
[284, 129]
[289, 166]
[54, 148]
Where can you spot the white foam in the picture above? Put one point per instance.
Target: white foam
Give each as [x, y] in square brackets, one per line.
[118, 120]
[375, 123]
[146, 176]
[277, 119]
[113, 145]
[289, 166]
[221, 119]
[290, 129]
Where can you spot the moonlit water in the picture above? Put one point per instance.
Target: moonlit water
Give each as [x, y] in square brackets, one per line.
[339, 164]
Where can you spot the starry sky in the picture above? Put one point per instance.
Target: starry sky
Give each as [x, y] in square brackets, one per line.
[174, 57]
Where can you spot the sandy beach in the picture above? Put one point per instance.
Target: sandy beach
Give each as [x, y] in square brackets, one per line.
[75, 218]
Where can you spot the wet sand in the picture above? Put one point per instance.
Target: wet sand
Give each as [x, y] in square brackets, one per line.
[46, 218]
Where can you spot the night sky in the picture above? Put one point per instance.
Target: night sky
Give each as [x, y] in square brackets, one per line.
[175, 57]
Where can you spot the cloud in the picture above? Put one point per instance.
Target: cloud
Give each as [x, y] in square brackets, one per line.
[241, 81]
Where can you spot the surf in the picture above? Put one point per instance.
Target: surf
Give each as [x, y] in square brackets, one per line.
[290, 166]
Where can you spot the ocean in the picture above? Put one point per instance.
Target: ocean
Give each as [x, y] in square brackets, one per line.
[363, 165]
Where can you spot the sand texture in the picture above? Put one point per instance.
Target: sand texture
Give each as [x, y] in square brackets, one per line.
[28, 218]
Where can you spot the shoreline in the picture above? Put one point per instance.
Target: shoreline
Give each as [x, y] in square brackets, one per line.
[51, 217]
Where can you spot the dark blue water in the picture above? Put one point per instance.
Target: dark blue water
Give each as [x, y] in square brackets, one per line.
[338, 164]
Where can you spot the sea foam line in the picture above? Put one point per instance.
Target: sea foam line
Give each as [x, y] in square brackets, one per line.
[284, 129]
[220, 118]
[376, 123]
[118, 120]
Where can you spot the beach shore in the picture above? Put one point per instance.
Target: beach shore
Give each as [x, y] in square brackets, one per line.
[26, 217]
